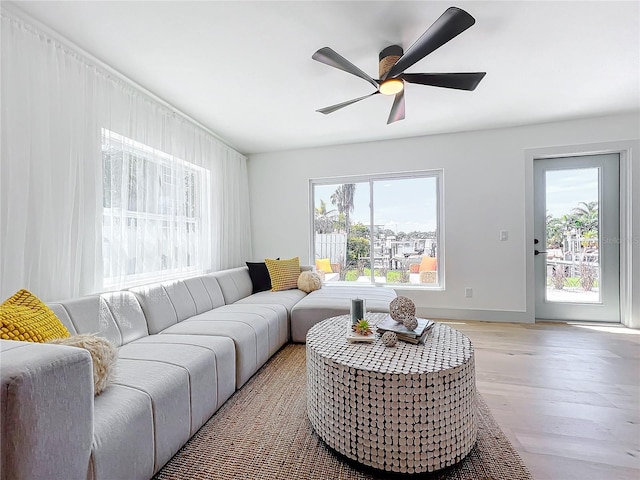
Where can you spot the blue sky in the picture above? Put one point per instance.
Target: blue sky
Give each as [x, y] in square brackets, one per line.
[406, 205]
[566, 188]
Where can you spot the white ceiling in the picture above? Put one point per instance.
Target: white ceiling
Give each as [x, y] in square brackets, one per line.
[244, 69]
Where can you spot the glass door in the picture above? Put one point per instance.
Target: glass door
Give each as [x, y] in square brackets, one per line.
[576, 245]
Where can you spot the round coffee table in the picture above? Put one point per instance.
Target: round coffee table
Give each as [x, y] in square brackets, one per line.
[408, 408]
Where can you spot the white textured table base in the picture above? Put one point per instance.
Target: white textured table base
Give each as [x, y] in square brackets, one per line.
[408, 408]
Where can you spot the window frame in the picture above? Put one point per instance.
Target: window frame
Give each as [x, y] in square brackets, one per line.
[194, 223]
[438, 174]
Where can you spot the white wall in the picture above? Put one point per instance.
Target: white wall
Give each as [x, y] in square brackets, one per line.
[485, 184]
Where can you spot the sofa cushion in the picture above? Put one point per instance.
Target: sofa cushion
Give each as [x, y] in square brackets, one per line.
[286, 298]
[116, 316]
[157, 307]
[222, 348]
[24, 317]
[128, 315]
[235, 283]
[167, 386]
[181, 299]
[284, 273]
[199, 294]
[249, 332]
[91, 314]
[123, 435]
[63, 316]
[274, 316]
[212, 286]
[199, 364]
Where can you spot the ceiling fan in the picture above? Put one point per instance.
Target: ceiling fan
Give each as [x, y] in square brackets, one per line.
[394, 62]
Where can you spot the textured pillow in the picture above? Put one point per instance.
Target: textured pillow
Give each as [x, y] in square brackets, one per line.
[103, 356]
[309, 281]
[324, 265]
[259, 276]
[24, 317]
[284, 273]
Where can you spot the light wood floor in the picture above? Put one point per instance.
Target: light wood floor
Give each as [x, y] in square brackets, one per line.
[567, 396]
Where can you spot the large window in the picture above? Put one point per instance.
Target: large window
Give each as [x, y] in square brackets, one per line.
[382, 229]
[154, 222]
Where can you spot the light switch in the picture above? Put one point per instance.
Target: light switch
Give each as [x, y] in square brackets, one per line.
[504, 235]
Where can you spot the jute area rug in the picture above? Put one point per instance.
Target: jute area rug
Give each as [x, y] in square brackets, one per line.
[262, 432]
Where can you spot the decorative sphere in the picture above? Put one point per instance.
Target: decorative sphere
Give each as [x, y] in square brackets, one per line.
[389, 339]
[401, 308]
[410, 322]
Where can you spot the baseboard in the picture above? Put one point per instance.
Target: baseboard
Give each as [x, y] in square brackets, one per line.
[481, 315]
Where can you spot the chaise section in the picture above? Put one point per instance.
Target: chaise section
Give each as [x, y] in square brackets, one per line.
[286, 298]
[330, 301]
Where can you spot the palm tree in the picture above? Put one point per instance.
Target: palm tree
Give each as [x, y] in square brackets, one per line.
[586, 216]
[342, 198]
[324, 219]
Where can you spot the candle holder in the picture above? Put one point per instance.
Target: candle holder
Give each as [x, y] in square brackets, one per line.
[357, 310]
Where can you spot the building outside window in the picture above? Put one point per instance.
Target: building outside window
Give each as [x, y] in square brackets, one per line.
[382, 229]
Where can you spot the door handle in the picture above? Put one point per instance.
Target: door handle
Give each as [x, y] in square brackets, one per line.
[537, 252]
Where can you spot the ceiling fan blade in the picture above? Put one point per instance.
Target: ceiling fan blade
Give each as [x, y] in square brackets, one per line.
[450, 24]
[459, 81]
[397, 110]
[329, 57]
[338, 106]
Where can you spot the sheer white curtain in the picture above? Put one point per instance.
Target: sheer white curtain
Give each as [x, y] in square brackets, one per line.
[102, 187]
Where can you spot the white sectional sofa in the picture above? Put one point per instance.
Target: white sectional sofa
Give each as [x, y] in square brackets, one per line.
[184, 348]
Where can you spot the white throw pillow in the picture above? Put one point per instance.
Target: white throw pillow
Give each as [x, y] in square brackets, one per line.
[103, 355]
[309, 281]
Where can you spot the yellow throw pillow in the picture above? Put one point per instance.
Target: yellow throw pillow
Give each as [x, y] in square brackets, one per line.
[323, 265]
[284, 273]
[24, 317]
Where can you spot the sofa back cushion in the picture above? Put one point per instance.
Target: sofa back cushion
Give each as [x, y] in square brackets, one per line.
[199, 294]
[116, 316]
[157, 307]
[213, 289]
[92, 315]
[127, 313]
[63, 315]
[182, 301]
[235, 284]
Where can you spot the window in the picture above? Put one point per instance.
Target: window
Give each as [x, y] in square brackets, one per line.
[382, 229]
[154, 213]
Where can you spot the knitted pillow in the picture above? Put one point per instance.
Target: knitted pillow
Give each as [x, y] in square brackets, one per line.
[24, 317]
[103, 356]
[284, 273]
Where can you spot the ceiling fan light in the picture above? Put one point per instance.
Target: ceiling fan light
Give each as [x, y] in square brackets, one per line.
[391, 86]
